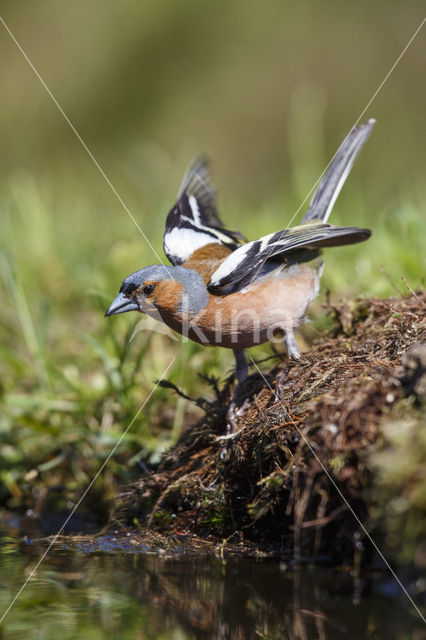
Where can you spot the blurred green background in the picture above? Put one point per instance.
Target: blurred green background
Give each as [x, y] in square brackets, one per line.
[269, 90]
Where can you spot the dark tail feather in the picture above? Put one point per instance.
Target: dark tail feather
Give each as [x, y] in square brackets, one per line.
[329, 187]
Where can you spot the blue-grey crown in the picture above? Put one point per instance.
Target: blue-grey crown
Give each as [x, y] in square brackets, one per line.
[196, 293]
[155, 272]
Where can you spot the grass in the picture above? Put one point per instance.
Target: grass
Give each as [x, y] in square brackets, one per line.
[72, 381]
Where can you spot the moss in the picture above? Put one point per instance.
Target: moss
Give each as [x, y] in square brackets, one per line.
[268, 482]
[213, 510]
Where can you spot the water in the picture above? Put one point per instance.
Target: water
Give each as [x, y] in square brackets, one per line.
[122, 592]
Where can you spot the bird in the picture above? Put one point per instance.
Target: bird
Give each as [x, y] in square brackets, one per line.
[222, 290]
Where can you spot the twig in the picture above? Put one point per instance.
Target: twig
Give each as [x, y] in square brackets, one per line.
[413, 293]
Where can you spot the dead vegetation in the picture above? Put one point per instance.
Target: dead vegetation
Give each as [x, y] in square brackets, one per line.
[303, 451]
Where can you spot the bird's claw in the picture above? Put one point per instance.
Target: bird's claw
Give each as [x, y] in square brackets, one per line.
[280, 384]
[233, 414]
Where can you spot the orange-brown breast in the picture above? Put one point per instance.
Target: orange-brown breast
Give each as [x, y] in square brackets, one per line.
[207, 259]
[167, 295]
[249, 317]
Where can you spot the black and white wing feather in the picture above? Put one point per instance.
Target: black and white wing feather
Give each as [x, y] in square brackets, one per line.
[250, 261]
[194, 221]
[331, 184]
[246, 263]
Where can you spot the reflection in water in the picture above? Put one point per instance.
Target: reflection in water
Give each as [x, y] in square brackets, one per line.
[124, 595]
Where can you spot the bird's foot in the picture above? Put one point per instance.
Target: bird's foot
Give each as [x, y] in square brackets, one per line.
[279, 389]
[232, 417]
[233, 413]
[231, 426]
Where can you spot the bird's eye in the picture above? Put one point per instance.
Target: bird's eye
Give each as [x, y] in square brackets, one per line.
[148, 289]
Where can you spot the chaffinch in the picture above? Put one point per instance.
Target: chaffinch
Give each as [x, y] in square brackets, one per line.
[226, 292]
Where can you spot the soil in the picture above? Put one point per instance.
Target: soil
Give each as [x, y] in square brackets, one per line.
[298, 475]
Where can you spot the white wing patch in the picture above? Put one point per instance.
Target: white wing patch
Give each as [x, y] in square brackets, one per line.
[194, 222]
[185, 242]
[230, 263]
[195, 209]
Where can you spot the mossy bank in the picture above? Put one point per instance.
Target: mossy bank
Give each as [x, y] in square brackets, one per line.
[322, 445]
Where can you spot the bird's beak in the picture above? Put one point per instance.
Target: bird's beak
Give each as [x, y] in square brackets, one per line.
[121, 304]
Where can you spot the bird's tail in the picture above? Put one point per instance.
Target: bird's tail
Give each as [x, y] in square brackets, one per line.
[329, 188]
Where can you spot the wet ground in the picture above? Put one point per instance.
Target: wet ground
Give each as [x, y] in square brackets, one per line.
[117, 589]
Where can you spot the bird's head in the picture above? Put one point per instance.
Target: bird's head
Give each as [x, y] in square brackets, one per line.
[160, 289]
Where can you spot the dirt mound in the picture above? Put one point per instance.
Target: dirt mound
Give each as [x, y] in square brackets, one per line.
[300, 461]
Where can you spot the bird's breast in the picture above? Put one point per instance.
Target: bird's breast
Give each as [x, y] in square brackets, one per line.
[254, 314]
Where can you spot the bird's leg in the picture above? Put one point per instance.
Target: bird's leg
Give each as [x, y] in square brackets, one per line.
[293, 352]
[241, 370]
[291, 344]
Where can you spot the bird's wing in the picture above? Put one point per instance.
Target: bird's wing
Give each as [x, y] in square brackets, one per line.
[245, 263]
[194, 221]
[329, 188]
